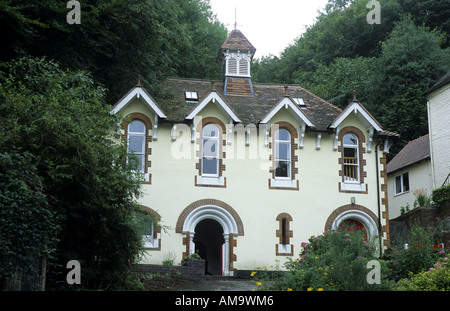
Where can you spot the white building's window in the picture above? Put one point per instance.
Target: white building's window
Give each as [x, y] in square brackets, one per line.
[210, 151]
[282, 154]
[149, 236]
[136, 142]
[351, 158]
[402, 183]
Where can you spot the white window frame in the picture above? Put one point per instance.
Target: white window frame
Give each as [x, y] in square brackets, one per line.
[191, 96]
[149, 240]
[401, 183]
[347, 179]
[277, 159]
[215, 139]
[139, 134]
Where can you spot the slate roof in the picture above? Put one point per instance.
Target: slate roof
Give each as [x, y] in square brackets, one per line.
[442, 82]
[237, 41]
[250, 109]
[415, 151]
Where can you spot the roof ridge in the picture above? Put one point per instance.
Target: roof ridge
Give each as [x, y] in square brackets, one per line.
[414, 140]
[321, 99]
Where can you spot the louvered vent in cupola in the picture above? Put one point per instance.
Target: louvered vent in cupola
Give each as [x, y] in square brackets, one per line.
[232, 66]
[243, 67]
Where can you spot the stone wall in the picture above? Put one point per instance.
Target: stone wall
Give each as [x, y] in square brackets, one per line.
[163, 277]
[423, 216]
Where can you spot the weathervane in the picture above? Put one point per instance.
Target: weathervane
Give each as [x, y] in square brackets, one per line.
[235, 20]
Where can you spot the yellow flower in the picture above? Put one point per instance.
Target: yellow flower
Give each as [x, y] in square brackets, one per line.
[289, 290]
[325, 273]
[310, 289]
[253, 273]
[258, 284]
[320, 289]
[317, 257]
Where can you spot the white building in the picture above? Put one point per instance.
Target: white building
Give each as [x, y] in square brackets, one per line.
[424, 163]
[408, 171]
[438, 121]
[244, 172]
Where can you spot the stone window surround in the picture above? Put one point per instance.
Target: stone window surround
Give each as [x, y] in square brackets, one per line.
[342, 186]
[294, 184]
[220, 181]
[148, 139]
[281, 247]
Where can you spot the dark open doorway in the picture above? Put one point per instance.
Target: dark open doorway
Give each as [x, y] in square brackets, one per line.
[208, 241]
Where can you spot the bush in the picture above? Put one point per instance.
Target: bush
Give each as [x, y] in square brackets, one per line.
[441, 195]
[418, 256]
[336, 260]
[436, 278]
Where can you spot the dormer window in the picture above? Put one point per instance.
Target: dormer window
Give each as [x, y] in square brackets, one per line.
[191, 96]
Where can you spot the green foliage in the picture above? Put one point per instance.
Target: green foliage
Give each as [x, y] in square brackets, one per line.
[410, 62]
[341, 78]
[419, 254]
[441, 195]
[335, 260]
[422, 198]
[60, 118]
[436, 278]
[390, 65]
[192, 256]
[117, 40]
[27, 222]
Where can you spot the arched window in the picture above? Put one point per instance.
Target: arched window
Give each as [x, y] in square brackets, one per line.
[210, 150]
[284, 248]
[351, 158]
[282, 154]
[136, 143]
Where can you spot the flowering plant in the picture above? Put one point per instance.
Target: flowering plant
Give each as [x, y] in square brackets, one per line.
[335, 260]
[422, 198]
[437, 278]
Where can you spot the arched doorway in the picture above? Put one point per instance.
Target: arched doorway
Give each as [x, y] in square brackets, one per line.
[354, 225]
[208, 241]
[222, 214]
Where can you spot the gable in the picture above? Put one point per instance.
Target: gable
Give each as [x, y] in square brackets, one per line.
[288, 105]
[138, 92]
[214, 98]
[358, 110]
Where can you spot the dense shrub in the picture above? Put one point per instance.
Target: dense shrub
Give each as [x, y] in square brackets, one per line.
[418, 255]
[441, 195]
[335, 260]
[436, 278]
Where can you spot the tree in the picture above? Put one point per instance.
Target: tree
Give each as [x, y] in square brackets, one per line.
[27, 223]
[338, 80]
[411, 61]
[60, 118]
[117, 40]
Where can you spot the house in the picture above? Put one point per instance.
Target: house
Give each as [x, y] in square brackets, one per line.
[424, 162]
[408, 171]
[242, 172]
[438, 120]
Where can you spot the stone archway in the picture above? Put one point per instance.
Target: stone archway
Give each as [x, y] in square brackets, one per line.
[219, 212]
[353, 213]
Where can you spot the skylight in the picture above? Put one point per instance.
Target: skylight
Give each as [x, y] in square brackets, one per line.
[299, 101]
[191, 96]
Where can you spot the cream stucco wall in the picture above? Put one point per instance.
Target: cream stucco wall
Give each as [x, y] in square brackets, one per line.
[419, 178]
[439, 120]
[173, 169]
